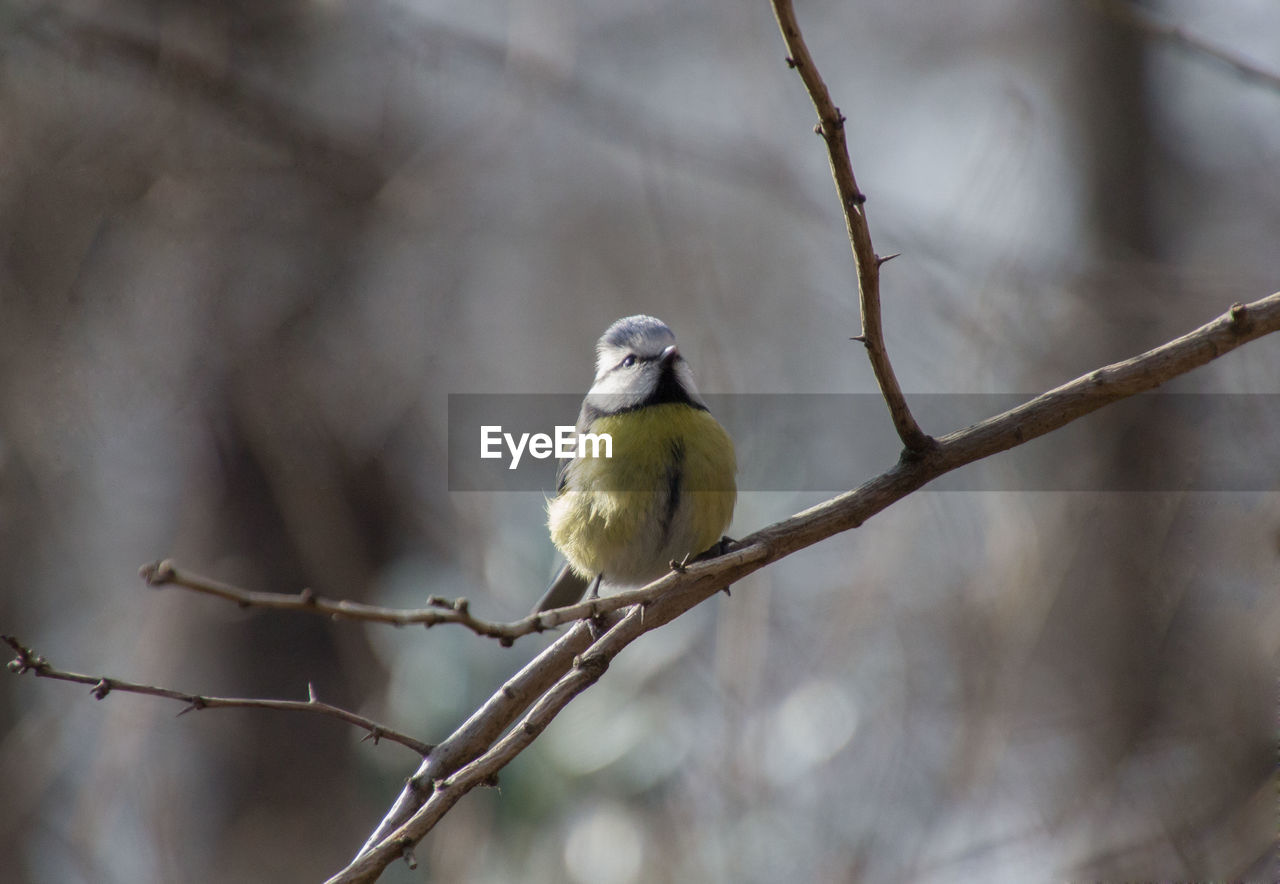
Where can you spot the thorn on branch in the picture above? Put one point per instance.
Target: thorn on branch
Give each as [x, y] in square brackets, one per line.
[861, 339]
[307, 596]
[406, 853]
[881, 260]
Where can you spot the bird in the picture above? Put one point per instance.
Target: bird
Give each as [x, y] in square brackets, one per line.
[668, 491]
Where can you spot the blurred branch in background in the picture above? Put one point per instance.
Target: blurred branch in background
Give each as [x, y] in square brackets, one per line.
[1151, 25]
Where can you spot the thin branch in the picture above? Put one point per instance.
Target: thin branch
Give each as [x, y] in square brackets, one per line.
[1153, 26]
[28, 661]
[831, 128]
[438, 610]
[474, 754]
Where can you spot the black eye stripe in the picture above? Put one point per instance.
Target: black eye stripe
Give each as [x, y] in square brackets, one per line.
[632, 359]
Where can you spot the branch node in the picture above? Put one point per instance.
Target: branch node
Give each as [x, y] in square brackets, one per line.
[461, 605]
[26, 660]
[101, 689]
[157, 573]
[307, 596]
[1239, 318]
[594, 664]
[792, 63]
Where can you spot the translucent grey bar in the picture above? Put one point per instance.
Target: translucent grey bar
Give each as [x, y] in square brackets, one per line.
[832, 442]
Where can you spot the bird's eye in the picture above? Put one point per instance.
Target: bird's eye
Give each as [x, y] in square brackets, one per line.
[629, 361]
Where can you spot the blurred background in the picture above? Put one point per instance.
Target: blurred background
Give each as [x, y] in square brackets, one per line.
[249, 248]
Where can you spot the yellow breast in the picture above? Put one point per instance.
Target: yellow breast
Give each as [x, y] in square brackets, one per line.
[667, 492]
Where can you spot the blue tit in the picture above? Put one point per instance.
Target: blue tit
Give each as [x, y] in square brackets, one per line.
[666, 494]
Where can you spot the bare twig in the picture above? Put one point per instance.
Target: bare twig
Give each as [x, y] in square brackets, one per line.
[475, 753]
[852, 201]
[28, 661]
[438, 610]
[1141, 20]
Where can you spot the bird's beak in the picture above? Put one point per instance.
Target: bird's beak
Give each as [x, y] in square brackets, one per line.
[669, 355]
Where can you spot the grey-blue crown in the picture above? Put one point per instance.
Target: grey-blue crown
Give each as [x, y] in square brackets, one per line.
[630, 332]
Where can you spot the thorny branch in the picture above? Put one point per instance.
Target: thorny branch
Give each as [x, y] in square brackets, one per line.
[438, 610]
[853, 202]
[28, 661]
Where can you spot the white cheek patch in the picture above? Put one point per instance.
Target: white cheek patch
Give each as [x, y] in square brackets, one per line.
[616, 390]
